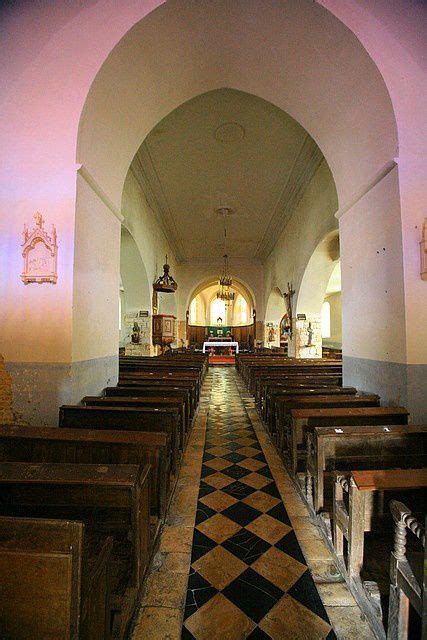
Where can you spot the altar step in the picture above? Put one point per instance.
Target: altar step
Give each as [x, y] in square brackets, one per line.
[222, 360]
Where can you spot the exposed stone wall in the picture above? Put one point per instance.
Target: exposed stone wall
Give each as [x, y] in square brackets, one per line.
[7, 414]
[308, 338]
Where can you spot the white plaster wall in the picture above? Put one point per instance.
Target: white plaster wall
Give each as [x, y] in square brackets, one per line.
[96, 278]
[51, 76]
[334, 300]
[141, 221]
[373, 300]
[311, 221]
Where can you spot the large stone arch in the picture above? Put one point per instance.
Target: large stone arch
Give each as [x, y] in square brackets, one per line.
[241, 286]
[311, 295]
[274, 312]
[176, 65]
[60, 79]
[135, 287]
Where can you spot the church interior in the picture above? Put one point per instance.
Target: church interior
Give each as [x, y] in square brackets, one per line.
[213, 320]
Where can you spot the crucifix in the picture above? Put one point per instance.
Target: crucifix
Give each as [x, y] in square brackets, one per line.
[288, 295]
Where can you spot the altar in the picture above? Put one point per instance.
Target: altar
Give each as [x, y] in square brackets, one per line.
[220, 343]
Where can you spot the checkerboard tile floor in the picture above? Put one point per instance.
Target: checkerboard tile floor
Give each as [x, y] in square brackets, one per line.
[248, 577]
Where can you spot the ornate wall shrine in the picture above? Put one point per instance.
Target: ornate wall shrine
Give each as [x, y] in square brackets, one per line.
[40, 251]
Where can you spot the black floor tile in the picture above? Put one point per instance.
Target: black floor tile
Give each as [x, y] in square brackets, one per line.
[289, 544]
[199, 591]
[186, 635]
[279, 512]
[203, 512]
[271, 489]
[234, 471]
[201, 545]
[246, 546]
[253, 594]
[207, 471]
[258, 634]
[234, 457]
[205, 489]
[241, 513]
[304, 590]
[238, 490]
[265, 471]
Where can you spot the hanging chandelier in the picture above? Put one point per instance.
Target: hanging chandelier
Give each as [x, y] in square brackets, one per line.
[165, 283]
[225, 281]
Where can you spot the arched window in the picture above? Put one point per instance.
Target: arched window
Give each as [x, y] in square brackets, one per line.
[218, 310]
[193, 311]
[241, 310]
[326, 320]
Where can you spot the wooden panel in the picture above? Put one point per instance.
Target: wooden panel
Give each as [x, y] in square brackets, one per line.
[37, 593]
[390, 479]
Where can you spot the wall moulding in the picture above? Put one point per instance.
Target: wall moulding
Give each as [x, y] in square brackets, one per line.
[389, 166]
[90, 180]
[40, 253]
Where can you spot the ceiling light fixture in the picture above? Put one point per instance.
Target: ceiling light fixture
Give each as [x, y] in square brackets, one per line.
[225, 281]
[165, 283]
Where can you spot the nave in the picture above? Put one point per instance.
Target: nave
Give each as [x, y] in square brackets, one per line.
[236, 525]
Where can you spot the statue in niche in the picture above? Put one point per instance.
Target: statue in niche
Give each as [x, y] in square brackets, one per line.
[39, 252]
[136, 334]
[310, 335]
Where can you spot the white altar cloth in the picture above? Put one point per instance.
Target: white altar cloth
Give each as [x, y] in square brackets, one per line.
[219, 343]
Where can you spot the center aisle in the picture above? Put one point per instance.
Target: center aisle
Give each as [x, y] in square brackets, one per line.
[248, 577]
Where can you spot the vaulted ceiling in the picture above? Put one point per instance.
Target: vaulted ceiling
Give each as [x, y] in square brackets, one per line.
[225, 148]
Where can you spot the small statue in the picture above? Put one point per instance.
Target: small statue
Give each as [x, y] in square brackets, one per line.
[136, 334]
[310, 335]
[39, 219]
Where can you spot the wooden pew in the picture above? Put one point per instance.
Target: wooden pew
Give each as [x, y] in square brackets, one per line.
[50, 444]
[279, 397]
[154, 390]
[301, 419]
[269, 384]
[136, 377]
[155, 402]
[351, 524]
[363, 446]
[126, 419]
[161, 384]
[255, 372]
[110, 500]
[53, 582]
[405, 589]
[284, 405]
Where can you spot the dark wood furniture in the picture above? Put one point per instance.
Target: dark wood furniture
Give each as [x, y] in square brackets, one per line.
[286, 404]
[351, 524]
[302, 419]
[92, 446]
[331, 449]
[110, 500]
[127, 419]
[406, 588]
[53, 581]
